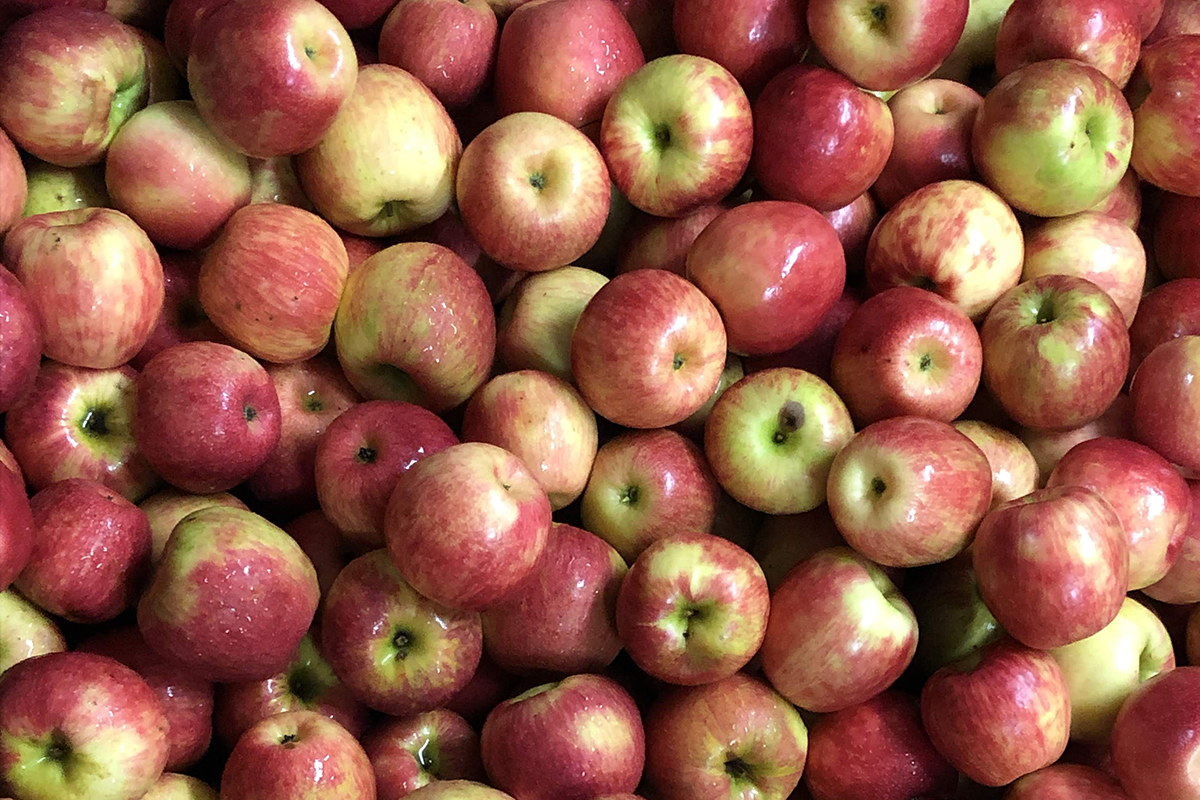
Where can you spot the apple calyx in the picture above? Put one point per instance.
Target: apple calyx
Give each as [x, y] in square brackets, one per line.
[404, 642]
[688, 614]
[629, 495]
[366, 454]
[94, 424]
[250, 413]
[538, 180]
[738, 770]
[289, 741]
[877, 17]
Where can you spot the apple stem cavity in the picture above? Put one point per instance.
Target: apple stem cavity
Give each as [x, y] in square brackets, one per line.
[59, 749]
[1045, 311]
[662, 136]
[878, 486]
[878, 17]
[249, 412]
[288, 740]
[737, 769]
[538, 181]
[677, 364]
[366, 455]
[95, 422]
[629, 496]
[402, 640]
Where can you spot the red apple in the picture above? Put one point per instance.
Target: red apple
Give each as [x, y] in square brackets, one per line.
[815, 353]
[459, 790]
[1178, 17]
[25, 630]
[854, 223]
[1174, 251]
[651, 23]
[411, 752]
[324, 545]
[1154, 740]
[1165, 149]
[1124, 203]
[534, 327]
[17, 529]
[182, 318]
[1066, 782]
[183, 18]
[1166, 401]
[1048, 447]
[1015, 471]
[12, 178]
[448, 44]
[753, 39]
[20, 341]
[661, 243]
[449, 231]
[1101, 33]
[1181, 584]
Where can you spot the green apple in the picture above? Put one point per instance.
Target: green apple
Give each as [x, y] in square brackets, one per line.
[25, 631]
[951, 615]
[53, 188]
[976, 48]
[535, 325]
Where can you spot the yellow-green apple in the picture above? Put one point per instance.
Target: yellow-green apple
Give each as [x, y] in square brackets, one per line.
[773, 269]
[81, 521]
[312, 394]
[1102, 670]
[1048, 447]
[733, 738]
[772, 437]
[580, 737]
[1178, 17]
[1166, 401]
[20, 341]
[563, 620]
[450, 45]
[165, 509]
[646, 485]
[999, 713]
[94, 281]
[308, 683]
[975, 52]
[533, 191]
[395, 650]
[15, 187]
[207, 416]
[840, 632]
[1066, 782]
[174, 177]
[416, 324]
[231, 597]
[17, 529]
[1101, 33]
[359, 14]
[564, 58]
[1175, 253]
[1149, 496]
[693, 426]
[1163, 96]
[361, 454]
[1053, 137]
[392, 118]
[1055, 352]
[1154, 741]
[1094, 246]
[326, 547]
[909, 491]
[182, 318]
[488, 687]
[187, 701]
[885, 46]
[460, 789]
[662, 243]
[1053, 566]
[54, 188]
[818, 138]
[467, 525]
[79, 726]
[677, 135]
[1015, 471]
[410, 752]
[274, 180]
[951, 614]
[44, 105]
[25, 630]
[907, 351]
[693, 609]
[1181, 584]
[648, 349]
[890, 758]
[753, 39]
[77, 423]
[183, 18]
[174, 786]
[784, 540]
[535, 324]
[815, 353]
[854, 223]
[956, 238]
[297, 754]
[1124, 203]
[543, 421]
[651, 23]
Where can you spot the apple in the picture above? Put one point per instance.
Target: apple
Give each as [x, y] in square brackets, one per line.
[951, 615]
[1154, 739]
[1054, 137]
[663, 243]
[182, 318]
[360, 248]
[77, 423]
[390, 118]
[564, 58]
[580, 737]
[416, 323]
[12, 178]
[105, 261]
[1124, 203]
[79, 725]
[535, 324]
[326, 547]
[7, 459]
[449, 231]
[999, 713]
[1178, 17]
[54, 188]
[1071, 584]
[1015, 471]
[1048, 447]
[1066, 781]
[231, 597]
[975, 52]
[854, 223]
[25, 630]
[359, 14]
[1164, 148]
[1101, 33]
[818, 138]
[646, 485]
[648, 349]
[449, 45]
[839, 633]
[957, 238]
[173, 786]
[411, 752]
[732, 738]
[20, 341]
[174, 177]
[165, 509]
[1181, 584]
[1174, 253]
[183, 18]
[753, 39]
[44, 106]
[1165, 399]
[651, 23]
[815, 353]
[274, 180]
[458, 790]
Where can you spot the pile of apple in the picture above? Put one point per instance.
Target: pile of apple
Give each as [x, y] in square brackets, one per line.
[567, 399]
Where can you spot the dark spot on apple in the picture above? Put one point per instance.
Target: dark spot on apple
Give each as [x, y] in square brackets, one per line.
[678, 362]
[629, 496]
[737, 769]
[878, 16]
[791, 419]
[403, 641]
[878, 486]
[538, 181]
[662, 136]
[310, 52]
[94, 422]
[366, 455]
[925, 362]
[250, 413]
[507, 487]
[288, 740]
[237, 306]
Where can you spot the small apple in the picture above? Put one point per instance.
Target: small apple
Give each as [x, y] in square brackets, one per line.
[951, 614]
[1124, 203]
[1015, 471]
[1048, 447]
[1101, 33]
[53, 188]
[1154, 739]
[1165, 397]
[182, 318]
[663, 243]
[1165, 313]
[1181, 584]
[166, 508]
[25, 630]
[411, 752]
[753, 39]
[173, 786]
[1164, 145]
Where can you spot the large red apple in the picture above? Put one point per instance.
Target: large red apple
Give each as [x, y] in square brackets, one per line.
[449, 45]
[1154, 741]
[1175, 253]
[753, 39]
[1164, 92]
[1101, 33]
[410, 752]
[1166, 401]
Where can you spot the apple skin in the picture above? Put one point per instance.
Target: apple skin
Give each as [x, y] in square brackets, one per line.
[232, 596]
[951, 614]
[45, 108]
[1048, 447]
[165, 509]
[76, 423]
[183, 18]
[187, 701]
[174, 177]
[1124, 203]
[651, 23]
[25, 630]
[182, 318]
[415, 751]
[1154, 739]
[564, 58]
[20, 341]
[1178, 17]
[1174, 253]
[1032, 363]
[773, 270]
[648, 349]
[1150, 498]
[391, 118]
[580, 737]
[1166, 401]
[173, 786]
[1181, 584]
[957, 238]
[1165, 150]
[1066, 782]
[999, 713]
[297, 754]
[662, 243]
[407, 287]
[449, 45]
[488, 687]
[109, 263]
[16, 527]
[732, 738]
[1100, 33]
[837, 608]
[563, 619]
[12, 178]
[976, 48]
[909, 491]
[324, 545]
[818, 138]
[1015, 471]
[891, 758]
[784, 540]
[458, 790]
[1072, 585]
[274, 180]
[1053, 138]
[53, 188]
[753, 39]
[646, 485]
[359, 14]
[535, 324]
[79, 709]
